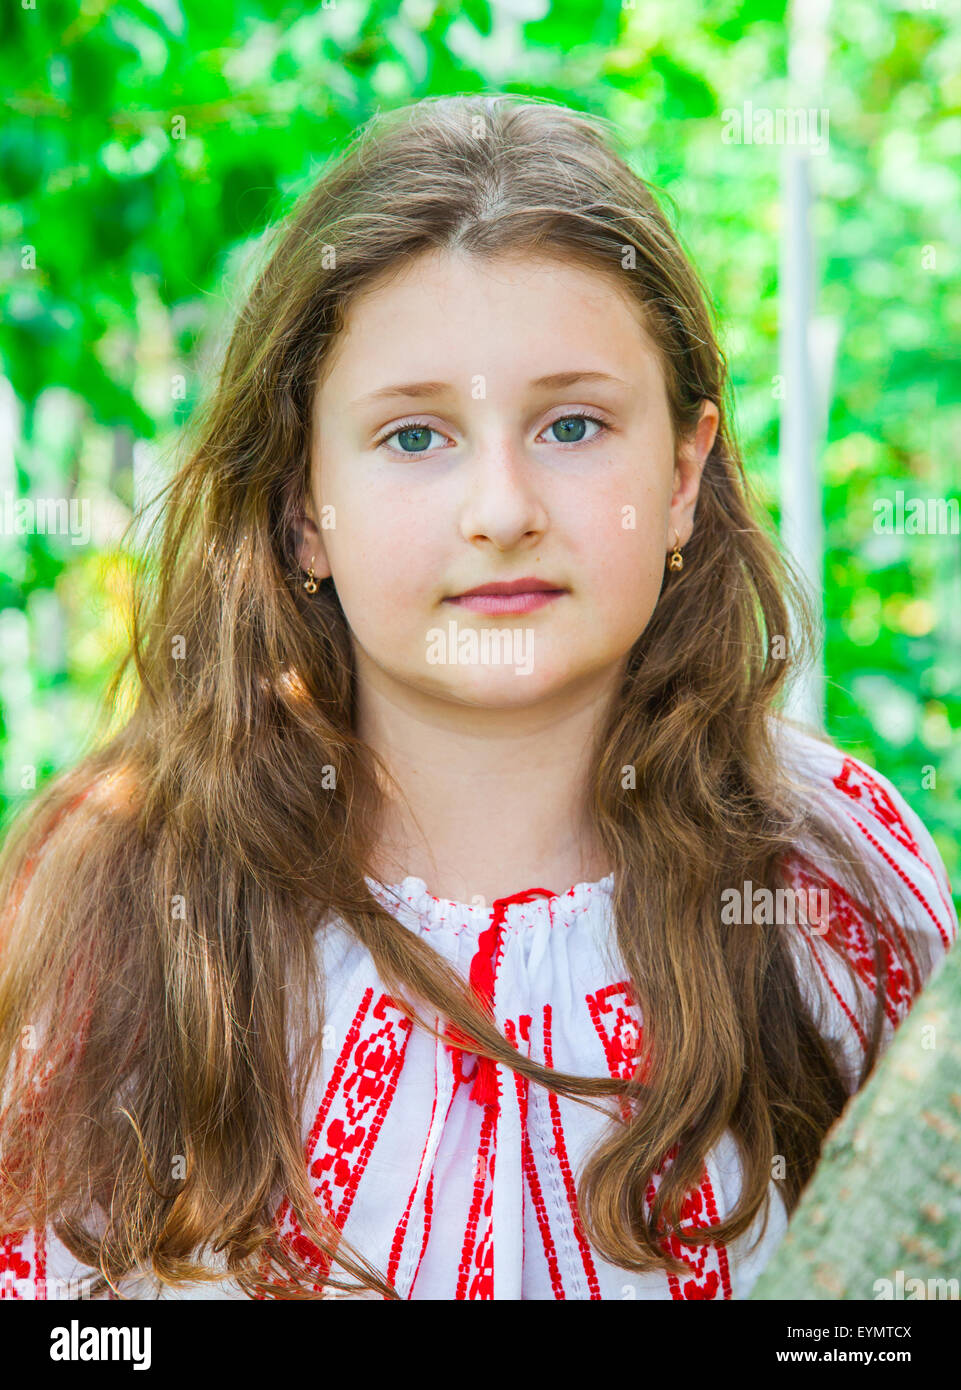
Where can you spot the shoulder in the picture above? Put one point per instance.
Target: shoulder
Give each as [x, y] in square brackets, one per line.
[838, 959]
[892, 838]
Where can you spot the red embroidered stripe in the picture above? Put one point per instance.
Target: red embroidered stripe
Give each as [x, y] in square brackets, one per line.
[945, 938]
[349, 1105]
[480, 1179]
[564, 1165]
[530, 1167]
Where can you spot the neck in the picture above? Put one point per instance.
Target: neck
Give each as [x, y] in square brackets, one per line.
[492, 801]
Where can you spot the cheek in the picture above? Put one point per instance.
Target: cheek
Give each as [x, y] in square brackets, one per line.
[628, 576]
[380, 554]
[618, 536]
[615, 541]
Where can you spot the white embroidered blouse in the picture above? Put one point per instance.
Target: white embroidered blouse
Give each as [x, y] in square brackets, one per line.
[458, 1181]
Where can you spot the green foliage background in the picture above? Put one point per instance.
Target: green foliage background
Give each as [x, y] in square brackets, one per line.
[145, 147]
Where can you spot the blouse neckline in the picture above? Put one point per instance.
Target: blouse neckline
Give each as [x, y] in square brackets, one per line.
[412, 892]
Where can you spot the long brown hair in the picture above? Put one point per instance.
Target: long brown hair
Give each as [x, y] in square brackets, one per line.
[159, 980]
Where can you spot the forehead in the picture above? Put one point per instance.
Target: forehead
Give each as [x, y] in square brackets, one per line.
[444, 309]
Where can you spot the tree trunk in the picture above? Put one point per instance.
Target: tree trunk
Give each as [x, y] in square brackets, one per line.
[884, 1203]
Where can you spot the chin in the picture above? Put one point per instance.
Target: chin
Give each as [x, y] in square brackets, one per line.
[507, 687]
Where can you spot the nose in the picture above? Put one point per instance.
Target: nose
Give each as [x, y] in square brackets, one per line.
[503, 501]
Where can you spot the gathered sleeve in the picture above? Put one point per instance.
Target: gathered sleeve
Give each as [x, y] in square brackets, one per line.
[837, 967]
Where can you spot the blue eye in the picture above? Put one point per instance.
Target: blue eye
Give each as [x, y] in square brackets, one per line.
[565, 421]
[418, 435]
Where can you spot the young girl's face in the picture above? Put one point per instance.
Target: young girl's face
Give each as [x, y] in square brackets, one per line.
[445, 458]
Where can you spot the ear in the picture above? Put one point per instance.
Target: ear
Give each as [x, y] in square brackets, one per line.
[309, 546]
[689, 465]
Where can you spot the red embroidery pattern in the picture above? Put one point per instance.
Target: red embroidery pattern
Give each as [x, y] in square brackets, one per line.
[483, 974]
[529, 1165]
[400, 1235]
[847, 933]
[616, 1017]
[17, 1271]
[428, 1218]
[477, 1257]
[708, 1263]
[348, 1124]
[560, 1145]
[477, 1250]
[857, 783]
[15, 1266]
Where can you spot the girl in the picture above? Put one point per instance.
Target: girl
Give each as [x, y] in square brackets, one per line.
[296, 1000]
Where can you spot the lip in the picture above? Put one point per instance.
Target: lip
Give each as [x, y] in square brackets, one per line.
[511, 596]
[530, 584]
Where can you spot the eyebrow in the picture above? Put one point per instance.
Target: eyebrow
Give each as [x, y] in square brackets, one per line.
[424, 389]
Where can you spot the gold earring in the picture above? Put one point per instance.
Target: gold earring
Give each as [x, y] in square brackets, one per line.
[310, 583]
[676, 560]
